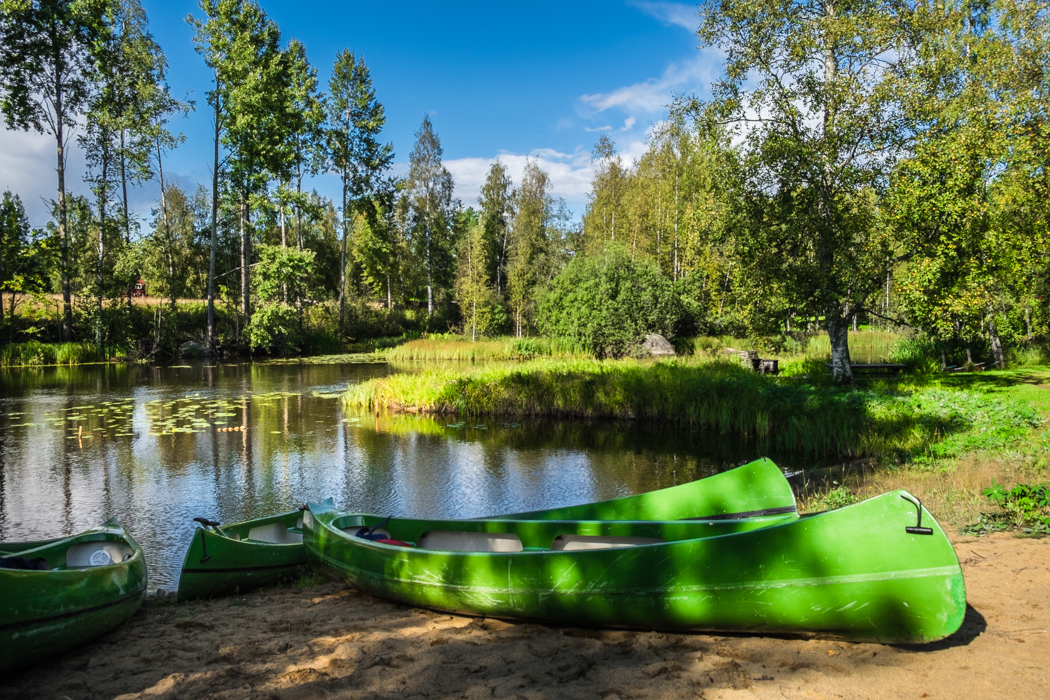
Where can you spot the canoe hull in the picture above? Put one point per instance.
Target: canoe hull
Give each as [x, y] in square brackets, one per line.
[854, 574]
[44, 613]
[217, 565]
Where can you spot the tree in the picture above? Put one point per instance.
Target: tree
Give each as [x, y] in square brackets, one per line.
[606, 197]
[497, 210]
[609, 301]
[976, 161]
[307, 130]
[479, 303]
[47, 52]
[251, 110]
[355, 119]
[430, 210]
[815, 92]
[534, 255]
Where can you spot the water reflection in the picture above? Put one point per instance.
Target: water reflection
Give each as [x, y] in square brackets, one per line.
[155, 447]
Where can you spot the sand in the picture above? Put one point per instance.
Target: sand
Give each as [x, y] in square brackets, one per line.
[330, 641]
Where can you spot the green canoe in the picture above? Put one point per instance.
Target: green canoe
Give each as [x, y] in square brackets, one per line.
[87, 585]
[867, 572]
[222, 559]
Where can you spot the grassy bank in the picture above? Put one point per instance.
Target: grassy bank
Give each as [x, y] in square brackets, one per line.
[453, 347]
[35, 354]
[924, 420]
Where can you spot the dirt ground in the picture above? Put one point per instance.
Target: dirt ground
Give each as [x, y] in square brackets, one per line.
[330, 641]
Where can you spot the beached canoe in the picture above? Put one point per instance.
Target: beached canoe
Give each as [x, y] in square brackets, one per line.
[868, 572]
[61, 593]
[223, 559]
[239, 557]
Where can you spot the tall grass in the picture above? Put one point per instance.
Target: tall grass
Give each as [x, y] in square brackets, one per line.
[460, 348]
[34, 353]
[784, 414]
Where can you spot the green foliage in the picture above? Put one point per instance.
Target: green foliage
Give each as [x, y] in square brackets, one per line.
[836, 497]
[1025, 507]
[609, 302]
[274, 328]
[34, 354]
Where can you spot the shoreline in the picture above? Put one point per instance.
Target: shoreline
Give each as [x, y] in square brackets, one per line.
[328, 640]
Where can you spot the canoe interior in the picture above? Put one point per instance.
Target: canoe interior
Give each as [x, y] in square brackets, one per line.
[541, 535]
[853, 573]
[243, 556]
[94, 582]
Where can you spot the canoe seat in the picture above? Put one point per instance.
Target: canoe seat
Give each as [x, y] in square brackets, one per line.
[84, 555]
[453, 541]
[274, 533]
[573, 543]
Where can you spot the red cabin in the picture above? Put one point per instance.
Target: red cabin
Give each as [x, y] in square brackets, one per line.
[138, 289]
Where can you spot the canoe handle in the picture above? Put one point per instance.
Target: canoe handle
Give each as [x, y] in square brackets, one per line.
[207, 523]
[917, 529]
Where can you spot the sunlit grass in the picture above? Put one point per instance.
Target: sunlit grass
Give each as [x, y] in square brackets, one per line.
[921, 420]
[35, 354]
[461, 348]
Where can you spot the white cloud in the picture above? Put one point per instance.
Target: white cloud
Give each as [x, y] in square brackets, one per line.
[628, 123]
[597, 128]
[685, 16]
[655, 94]
[570, 174]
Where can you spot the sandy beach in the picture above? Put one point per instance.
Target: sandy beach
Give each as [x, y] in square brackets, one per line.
[330, 641]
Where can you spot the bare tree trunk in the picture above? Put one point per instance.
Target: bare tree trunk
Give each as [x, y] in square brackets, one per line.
[124, 201]
[995, 341]
[101, 244]
[66, 332]
[284, 244]
[838, 333]
[169, 244]
[342, 266]
[429, 276]
[676, 268]
[245, 256]
[214, 227]
[389, 294]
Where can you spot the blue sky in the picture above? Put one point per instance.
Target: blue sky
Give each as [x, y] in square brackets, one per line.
[507, 80]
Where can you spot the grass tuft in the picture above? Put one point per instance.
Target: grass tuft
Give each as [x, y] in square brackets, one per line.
[35, 354]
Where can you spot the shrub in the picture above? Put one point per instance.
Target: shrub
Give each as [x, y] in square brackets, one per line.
[609, 302]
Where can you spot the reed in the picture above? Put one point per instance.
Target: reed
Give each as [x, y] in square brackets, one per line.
[914, 420]
[35, 354]
[459, 348]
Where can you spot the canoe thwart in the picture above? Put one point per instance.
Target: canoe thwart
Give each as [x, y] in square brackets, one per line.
[453, 541]
[916, 529]
[572, 543]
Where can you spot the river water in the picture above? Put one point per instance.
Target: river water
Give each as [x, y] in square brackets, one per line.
[155, 447]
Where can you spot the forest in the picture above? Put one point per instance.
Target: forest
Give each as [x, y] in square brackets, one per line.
[857, 163]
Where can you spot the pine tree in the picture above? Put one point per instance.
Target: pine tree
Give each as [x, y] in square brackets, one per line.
[430, 210]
